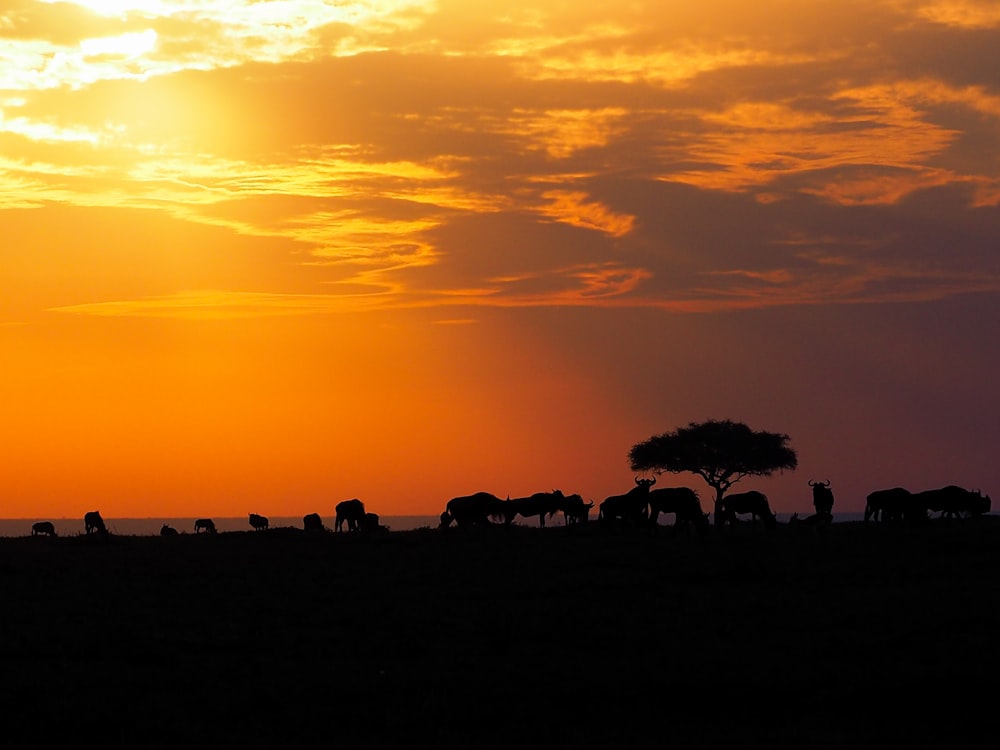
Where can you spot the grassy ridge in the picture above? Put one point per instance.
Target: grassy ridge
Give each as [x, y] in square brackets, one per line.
[503, 637]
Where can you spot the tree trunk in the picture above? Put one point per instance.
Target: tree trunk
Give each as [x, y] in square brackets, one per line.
[717, 513]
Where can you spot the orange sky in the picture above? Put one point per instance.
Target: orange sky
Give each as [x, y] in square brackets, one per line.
[266, 256]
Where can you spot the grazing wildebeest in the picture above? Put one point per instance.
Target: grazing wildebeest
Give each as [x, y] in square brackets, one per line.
[204, 524]
[43, 527]
[351, 512]
[258, 522]
[887, 505]
[955, 502]
[166, 530]
[632, 506]
[92, 522]
[822, 498]
[473, 510]
[312, 522]
[539, 504]
[575, 510]
[752, 502]
[683, 502]
[370, 524]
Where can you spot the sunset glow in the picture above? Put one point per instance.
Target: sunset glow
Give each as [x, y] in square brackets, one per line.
[268, 255]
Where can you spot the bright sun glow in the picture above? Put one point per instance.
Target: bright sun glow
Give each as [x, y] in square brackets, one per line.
[111, 8]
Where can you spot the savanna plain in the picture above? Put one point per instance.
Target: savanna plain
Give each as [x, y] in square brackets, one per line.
[851, 635]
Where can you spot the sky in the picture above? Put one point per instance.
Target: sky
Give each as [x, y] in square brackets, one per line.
[267, 256]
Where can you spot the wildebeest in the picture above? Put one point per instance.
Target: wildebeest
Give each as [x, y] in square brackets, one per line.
[312, 522]
[752, 502]
[43, 527]
[822, 498]
[632, 506]
[539, 504]
[683, 502]
[370, 524]
[258, 522]
[887, 505]
[204, 524]
[166, 530]
[473, 510]
[575, 510]
[955, 502]
[351, 512]
[92, 522]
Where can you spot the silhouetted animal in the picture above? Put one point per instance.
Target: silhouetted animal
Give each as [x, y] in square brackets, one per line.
[683, 503]
[43, 527]
[822, 498]
[166, 530]
[540, 504]
[259, 523]
[632, 506]
[312, 522]
[351, 512]
[575, 510]
[752, 502]
[204, 524]
[474, 510]
[887, 505]
[370, 524]
[92, 522]
[955, 502]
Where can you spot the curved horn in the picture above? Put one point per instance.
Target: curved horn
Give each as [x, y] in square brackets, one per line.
[638, 481]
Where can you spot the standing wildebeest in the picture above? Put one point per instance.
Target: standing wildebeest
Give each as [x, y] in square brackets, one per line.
[887, 505]
[43, 527]
[312, 522]
[92, 522]
[166, 530]
[258, 522]
[632, 506]
[351, 512]
[683, 503]
[204, 524]
[473, 510]
[575, 510]
[955, 502]
[822, 498]
[540, 504]
[752, 502]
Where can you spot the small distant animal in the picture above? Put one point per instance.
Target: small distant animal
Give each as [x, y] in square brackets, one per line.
[312, 522]
[371, 524]
[258, 522]
[752, 502]
[351, 512]
[166, 530]
[204, 524]
[93, 522]
[43, 527]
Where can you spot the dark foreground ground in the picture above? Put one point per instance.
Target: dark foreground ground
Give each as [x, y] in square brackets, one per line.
[504, 638]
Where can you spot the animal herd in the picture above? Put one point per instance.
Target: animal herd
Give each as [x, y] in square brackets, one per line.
[641, 505]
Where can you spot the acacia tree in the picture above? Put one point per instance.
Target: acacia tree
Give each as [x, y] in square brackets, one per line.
[721, 452]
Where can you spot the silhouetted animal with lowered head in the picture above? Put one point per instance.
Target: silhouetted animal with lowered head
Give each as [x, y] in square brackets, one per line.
[312, 522]
[204, 524]
[540, 504]
[955, 502]
[166, 530]
[43, 527]
[632, 506]
[683, 503]
[258, 522]
[752, 502]
[473, 510]
[93, 523]
[351, 512]
[882, 506]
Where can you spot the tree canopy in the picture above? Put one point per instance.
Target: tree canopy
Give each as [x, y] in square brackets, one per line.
[722, 452]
